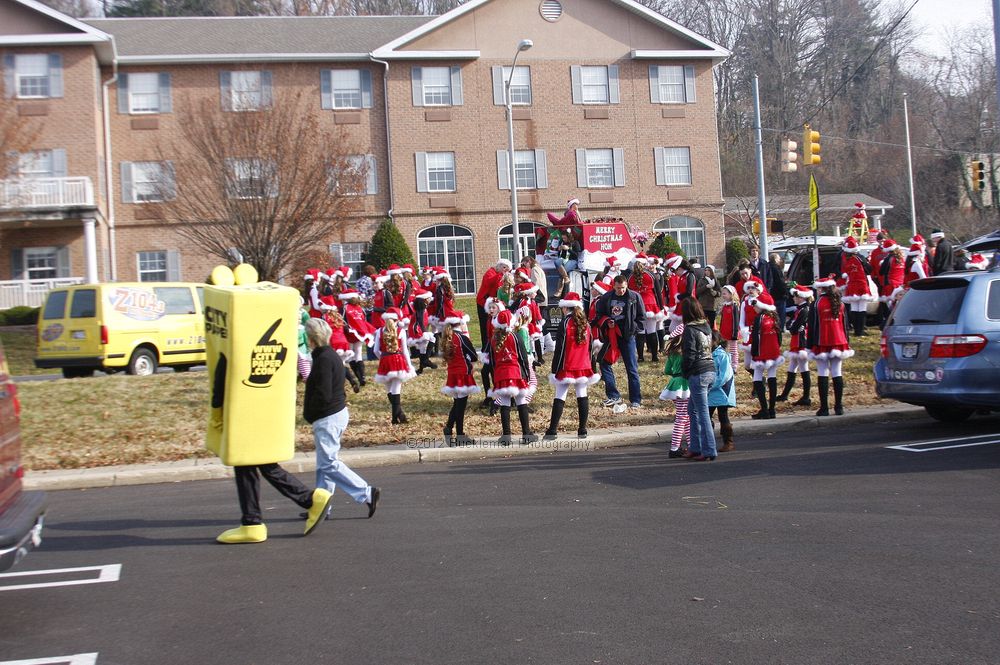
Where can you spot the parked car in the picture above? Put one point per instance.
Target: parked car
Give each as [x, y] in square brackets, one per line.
[21, 513]
[800, 269]
[134, 327]
[941, 346]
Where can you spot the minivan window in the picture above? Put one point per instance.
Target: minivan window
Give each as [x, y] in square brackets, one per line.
[829, 263]
[84, 304]
[993, 301]
[177, 299]
[931, 302]
[55, 306]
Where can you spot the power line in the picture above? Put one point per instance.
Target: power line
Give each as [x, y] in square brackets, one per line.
[883, 143]
[871, 55]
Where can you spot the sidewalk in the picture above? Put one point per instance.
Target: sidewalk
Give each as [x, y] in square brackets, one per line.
[432, 450]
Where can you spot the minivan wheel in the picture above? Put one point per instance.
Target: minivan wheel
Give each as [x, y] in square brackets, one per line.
[142, 363]
[949, 414]
[182, 368]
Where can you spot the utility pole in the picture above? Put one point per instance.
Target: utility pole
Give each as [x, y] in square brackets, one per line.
[759, 142]
[909, 163]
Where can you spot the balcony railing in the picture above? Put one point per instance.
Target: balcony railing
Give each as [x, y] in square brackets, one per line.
[31, 292]
[42, 193]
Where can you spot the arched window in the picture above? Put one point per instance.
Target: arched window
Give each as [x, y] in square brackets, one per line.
[526, 231]
[449, 246]
[688, 232]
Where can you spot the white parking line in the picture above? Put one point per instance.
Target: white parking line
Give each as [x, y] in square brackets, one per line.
[109, 573]
[947, 444]
[75, 659]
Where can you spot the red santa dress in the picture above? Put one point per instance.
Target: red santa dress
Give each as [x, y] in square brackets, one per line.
[459, 381]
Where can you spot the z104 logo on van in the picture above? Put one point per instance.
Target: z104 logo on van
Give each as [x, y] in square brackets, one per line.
[52, 333]
[138, 304]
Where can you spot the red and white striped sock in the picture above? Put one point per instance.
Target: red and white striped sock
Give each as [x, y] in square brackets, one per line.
[682, 424]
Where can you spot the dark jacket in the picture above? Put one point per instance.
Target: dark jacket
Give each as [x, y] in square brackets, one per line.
[944, 257]
[708, 294]
[635, 316]
[696, 349]
[325, 386]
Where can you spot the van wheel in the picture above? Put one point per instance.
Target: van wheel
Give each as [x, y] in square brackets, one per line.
[182, 368]
[949, 414]
[142, 363]
[77, 372]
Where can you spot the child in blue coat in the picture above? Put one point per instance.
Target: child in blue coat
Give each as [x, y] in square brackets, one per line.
[722, 394]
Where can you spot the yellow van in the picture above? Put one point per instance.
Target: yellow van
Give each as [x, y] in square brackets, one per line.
[134, 327]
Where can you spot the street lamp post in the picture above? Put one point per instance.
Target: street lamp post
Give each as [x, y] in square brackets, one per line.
[524, 45]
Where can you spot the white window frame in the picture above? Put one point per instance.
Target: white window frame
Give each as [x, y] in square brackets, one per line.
[48, 254]
[437, 89]
[149, 257]
[445, 164]
[589, 72]
[147, 176]
[669, 86]
[20, 63]
[455, 235]
[595, 162]
[244, 174]
[526, 165]
[135, 93]
[33, 158]
[677, 165]
[520, 85]
[689, 232]
[246, 91]
[354, 90]
[352, 165]
[350, 254]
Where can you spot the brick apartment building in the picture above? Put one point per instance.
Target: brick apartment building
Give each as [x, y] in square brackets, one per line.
[613, 105]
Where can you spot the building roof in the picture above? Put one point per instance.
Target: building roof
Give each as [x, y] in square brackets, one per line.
[799, 203]
[270, 38]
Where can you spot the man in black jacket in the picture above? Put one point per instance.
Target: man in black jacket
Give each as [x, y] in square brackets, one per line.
[625, 308]
[325, 408]
[944, 254]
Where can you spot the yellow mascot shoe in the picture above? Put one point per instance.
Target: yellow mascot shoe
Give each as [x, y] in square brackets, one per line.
[254, 533]
[321, 500]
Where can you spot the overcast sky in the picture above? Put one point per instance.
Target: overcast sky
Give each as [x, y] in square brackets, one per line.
[938, 16]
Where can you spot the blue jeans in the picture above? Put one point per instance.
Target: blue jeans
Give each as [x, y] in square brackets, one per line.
[702, 434]
[330, 471]
[626, 345]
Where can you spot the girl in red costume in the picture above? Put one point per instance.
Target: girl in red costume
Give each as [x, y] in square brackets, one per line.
[798, 353]
[857, 290]
[642, 283]
[382, 300]
[729, 323]
[394, 368]
[916, 265]
[338, 342]
[828, 344]
[511, 370]
[765, 351]
[358, 331]
[752, 292]
[457, 349]
[572, 365]
[418, 334]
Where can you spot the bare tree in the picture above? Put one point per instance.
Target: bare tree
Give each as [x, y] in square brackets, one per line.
[271, 184]
[17, 134]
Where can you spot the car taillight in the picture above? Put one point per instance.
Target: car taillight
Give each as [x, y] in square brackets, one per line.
[104, 334]
[12, 389]
[883, 347]
[957, 346]
[19, 471]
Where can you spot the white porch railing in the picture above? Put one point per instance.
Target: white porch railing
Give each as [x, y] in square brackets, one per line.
[30, 292]
[30, 193]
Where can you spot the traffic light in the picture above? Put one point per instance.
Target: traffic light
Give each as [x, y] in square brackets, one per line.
[810, 146]
[978, 175]
[789, 156]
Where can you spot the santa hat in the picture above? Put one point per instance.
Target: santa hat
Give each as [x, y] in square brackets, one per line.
[394, 269]
[326, 274]
[526, 288]
[708, 266]
[523, 273]
[345, 272]
[349, 294]
[505, 262]
[392, 314]
[937, 234]
[572, 201]
[750, 284]
[456, 317]
[889, 245]
[408, 267]
[803, 291]
[759, 303]
[495, 301]
[312, 273]
[764, 298]
[422, 293]
[572, 299]
[601, 287]
[917, 240]
[382, 277]
[916, 249]
[673, 260]
[326, 303]
[611, 263]
[851, 245]
[502, 319]
[824, 283]
[641, 258]
[978, 261]
[441, 273]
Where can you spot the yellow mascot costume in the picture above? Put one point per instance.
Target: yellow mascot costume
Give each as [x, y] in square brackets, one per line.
[251, 337]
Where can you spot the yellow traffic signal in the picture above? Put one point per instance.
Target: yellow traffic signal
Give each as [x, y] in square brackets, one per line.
[789, 156]
[810, 147]
[978, 175]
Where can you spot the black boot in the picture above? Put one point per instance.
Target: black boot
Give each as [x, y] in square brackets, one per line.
[359, 371]
[557, 411]
[805, 400]
[398, 417]
[460, 437]
[526, 435]
[425, 363]
[824, 395]
[654, 348]
[449, 440]
[789, 384]
[838, 395]
[539, 357]
[352, 379]
[859, 323]
[758, 391]
[583, 406]
[505, 425]
[772, 391]
[661, 339]
[392, 406]
[485, 374]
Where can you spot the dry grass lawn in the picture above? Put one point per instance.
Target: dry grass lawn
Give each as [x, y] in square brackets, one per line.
[123, 419]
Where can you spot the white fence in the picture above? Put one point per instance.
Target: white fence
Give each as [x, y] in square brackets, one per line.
[30, 292]
[20, 193]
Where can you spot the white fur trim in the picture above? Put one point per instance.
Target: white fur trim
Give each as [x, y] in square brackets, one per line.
[549, 345]
[768, 364]
[596, 346]
[652, 315]
[802, 354]
[764, 306]
[484, 357]
[505, 262]
[843, 355]
[426, 295]
[345, 356]
[441, 275]
[668, 395]
[856, 299]
[509, 391]
[428, 336]
[455, 321]
[579, 381]
[405, 375]
[392, 316]
[571, 303]
[823, 283]
[460, 391]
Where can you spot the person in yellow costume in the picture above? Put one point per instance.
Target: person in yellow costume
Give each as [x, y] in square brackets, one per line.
[250, 328]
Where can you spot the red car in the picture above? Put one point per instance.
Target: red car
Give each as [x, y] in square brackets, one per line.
[21, 513]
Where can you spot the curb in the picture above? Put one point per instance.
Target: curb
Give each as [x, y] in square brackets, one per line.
[431, 451]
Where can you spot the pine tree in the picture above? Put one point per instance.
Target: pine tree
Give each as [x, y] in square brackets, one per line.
[665, 244]
[736, 250]
[388, 247]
